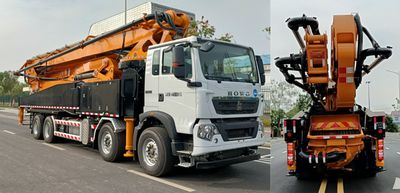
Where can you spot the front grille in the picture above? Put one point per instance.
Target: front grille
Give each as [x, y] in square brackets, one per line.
[336, 132]
[240, 133]
[235, 105]
[235, 129]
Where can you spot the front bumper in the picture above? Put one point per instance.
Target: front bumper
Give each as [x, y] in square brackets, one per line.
[228, 161]
[217, 143]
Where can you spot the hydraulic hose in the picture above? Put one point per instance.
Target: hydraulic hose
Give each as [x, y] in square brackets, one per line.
[296, 22]
[362, 54]
[359, 62]
[330, 157]
[293, 60]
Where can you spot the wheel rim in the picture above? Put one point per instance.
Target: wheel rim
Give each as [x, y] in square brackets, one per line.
[150, 152]
[106, 142]
[46, 130]
[35, 127]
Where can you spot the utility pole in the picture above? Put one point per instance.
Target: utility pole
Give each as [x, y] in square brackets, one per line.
[398, 75]
[369, 102]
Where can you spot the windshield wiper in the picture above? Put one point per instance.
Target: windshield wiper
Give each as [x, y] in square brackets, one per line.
[244, 80]
[219, 78]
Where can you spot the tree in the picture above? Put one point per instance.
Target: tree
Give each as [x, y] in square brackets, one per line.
[9, 84]
[396, 105]
[390, 126]
[283, 98]
[276, 117]
[268, 30]
[227, 37]
[283, 95]
[303, 103]
[203, 28]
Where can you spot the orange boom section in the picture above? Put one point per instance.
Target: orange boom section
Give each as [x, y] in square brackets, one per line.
[97, 57]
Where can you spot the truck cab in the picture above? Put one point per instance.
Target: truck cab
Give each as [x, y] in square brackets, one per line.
[210, 93]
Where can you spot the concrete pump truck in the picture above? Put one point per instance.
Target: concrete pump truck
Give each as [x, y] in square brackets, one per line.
[335, 133]
[144, 90]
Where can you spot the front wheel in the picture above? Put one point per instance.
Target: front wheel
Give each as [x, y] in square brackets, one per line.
[154, 151]
[111, 144]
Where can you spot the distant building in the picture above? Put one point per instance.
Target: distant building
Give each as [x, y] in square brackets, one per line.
[396, 117]
[266, 89]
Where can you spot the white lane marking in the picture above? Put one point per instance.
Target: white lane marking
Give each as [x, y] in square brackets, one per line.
[175, 185]
[263, 162]
[284, 151]
[9, 132]
[265, 159]
[265, 156]
[398, 153]
[262, 147]
[387, 148]
[396, 185]
[53, 146]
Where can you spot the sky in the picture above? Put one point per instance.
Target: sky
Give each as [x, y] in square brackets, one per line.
[379, 17]
[32, 27]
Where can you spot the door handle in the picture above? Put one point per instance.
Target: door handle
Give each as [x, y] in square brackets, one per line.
[160, 97]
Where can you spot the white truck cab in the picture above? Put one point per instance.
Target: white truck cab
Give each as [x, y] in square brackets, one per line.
[212, 92]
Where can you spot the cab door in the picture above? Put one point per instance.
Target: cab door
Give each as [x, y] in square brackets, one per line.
[152, 80]
[175, 97]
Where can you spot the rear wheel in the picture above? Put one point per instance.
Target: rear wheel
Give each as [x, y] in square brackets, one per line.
[37, 126]
[366, 161]
[301, 174]
[154, 151]
[110, 144]
[304, 171]
[48, 130]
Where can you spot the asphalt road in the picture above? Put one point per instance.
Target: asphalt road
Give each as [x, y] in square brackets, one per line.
[29, 165]
[384, 182]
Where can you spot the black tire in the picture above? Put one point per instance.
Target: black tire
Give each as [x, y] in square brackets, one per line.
[110, 144]
[165, 161]
[48, 130]
[37, 126]
[365, 163]
[303, 170]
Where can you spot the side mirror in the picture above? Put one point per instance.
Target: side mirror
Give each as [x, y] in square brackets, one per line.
[207, 46]
[178, 64]
[260, 69]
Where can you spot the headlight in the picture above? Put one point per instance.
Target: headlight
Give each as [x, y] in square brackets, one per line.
[207, 131]
[260, 126]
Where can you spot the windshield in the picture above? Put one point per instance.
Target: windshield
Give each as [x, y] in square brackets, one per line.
[226, 62]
